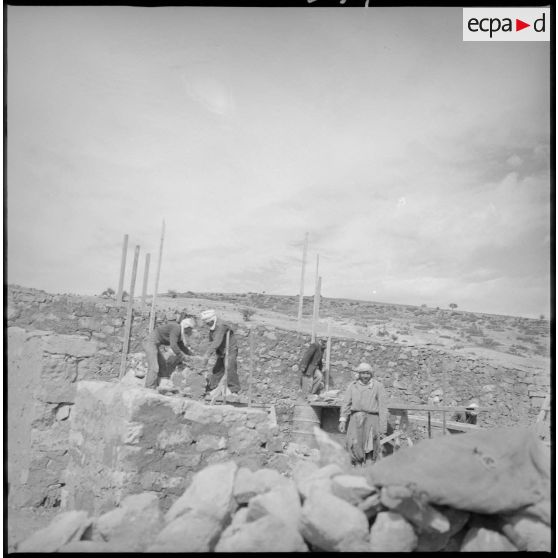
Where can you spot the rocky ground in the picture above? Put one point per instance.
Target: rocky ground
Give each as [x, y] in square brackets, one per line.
[329, 506]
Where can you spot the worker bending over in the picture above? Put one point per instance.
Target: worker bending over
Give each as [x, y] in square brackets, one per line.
[311, 366]
[217, 344]
[173, 335]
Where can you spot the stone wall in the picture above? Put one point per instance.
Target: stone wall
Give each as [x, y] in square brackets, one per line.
[126, 440]
[55, 341]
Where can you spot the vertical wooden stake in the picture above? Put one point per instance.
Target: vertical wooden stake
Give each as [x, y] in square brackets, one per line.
[316, 316]
[251, 372]
[145, 278]
[429, 426]
[226, 374]
[301, 295]
[122, 270]
[328, 354]
[316, 287]
[444, 395]
[129, 313]
[152, 316]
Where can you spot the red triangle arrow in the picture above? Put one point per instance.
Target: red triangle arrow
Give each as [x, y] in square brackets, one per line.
[519, 25]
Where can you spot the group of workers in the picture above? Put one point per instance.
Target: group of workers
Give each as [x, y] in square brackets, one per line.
[363, 413]
[222, 345]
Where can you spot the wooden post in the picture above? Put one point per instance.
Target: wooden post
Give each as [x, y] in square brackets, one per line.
[251, 371]
[152, 316]
[328, 354]
[316, 315]
[301, 295]
[226, 374]
[316, 287]
[128, 327]
[122, 270]
[145, 278]
[429, 426]
[444, 395]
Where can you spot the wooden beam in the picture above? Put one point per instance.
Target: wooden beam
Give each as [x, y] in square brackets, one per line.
[128, 326]
[316, 287]
[152, 316]
[226, 374]
[301, 295]
[251, 370]
[328, 355]
[122, 270]
[145, 280]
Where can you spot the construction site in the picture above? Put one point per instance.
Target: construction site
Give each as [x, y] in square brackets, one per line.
[99, 463]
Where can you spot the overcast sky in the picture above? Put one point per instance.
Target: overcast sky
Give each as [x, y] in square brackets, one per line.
[417, 163]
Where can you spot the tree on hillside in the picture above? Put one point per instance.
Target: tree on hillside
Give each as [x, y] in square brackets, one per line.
[108, 293]
[172, 293]
[452, 305]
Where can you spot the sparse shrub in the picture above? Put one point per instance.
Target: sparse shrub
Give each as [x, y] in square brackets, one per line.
[452, 305]
[108, 293]
[247, 313]
[172, 293]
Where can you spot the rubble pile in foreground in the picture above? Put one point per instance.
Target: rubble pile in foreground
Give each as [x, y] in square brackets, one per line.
[484, 491]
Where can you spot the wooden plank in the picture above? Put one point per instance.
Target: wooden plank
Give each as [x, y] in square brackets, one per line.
[301, 294]
[145, 278]
[251, 371]
[316, 287]
[129, 313]
[152, 316]
[328, 355]
[122, 270]
[226, 374]
[450, 424]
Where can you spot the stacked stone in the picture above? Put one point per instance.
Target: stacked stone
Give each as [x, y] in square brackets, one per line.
[325, 506]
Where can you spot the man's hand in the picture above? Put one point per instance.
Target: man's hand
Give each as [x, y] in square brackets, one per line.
[342, 426]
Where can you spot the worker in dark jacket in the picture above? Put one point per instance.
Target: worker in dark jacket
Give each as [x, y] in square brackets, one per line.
[217, 344]
[311, 365]
[470, 415]
[173, 335]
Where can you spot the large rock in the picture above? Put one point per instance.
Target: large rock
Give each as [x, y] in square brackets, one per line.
[536, 534]
[248, 484]
[65, 527]
[328, 521]
[391, 532]
[480, 539]
[134, 524]
[266, 534]
[308, 478]
[210, 492]
[282, 502]
[425, 517]
[192, 531]
[351, 488]
[331, 451]
[488, 471]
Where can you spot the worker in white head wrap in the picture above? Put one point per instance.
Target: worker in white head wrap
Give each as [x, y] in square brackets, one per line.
[173, 335]
[218, 331]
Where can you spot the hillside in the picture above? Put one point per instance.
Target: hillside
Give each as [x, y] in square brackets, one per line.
[512, 340]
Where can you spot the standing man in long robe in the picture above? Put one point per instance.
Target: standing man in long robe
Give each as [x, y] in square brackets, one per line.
[364, 408]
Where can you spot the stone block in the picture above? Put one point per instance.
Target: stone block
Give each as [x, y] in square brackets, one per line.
[64, 528]
[391, 532]
[248, 484]
[73, 345]
[351, 488]
[480, 539]
[327, 521]
[331, 451]
[536, 534]
[266, 534]
[282, 502]
[193, 531]
[135, 523]
[210, 492]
